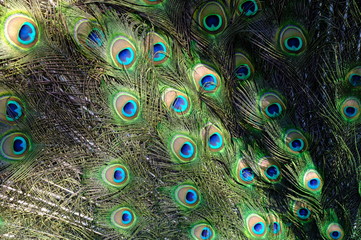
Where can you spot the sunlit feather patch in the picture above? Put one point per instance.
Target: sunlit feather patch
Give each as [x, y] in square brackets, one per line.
[203, 231]
[116, 175]
[176, 101]
[302, 211]
[188, 196]
[312, 180]
[292, 40]
[248, 7]
[350, 109]
[126, 106]
[244, 174]
[89, 33]
[157, 48]
[270, 169]
[11, 109]
[334, 232]
[206, 79]
[213, 137]
[123, 52]
[184, 148]
[123, 218]
[15, 146]
[256, 225]
[212, 17]
[244, 68]
[21, 31]
[295, 141]
[271, 105]
[354, 76]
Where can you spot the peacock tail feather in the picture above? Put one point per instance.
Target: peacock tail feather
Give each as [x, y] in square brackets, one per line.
[169, 119]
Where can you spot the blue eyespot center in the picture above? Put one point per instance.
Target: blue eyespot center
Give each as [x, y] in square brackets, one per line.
[191, 196]
[274, 110]
[212, 22]
[125, 56]
[119, 175]
[13, 111]
[126, 217]
[159, 51]
[243, 72]
[293, 43]
[27, 33]
[355, 80]
[335, 235]
[19, 145]
[350, 111]
[297, 145]
[180, 104]
[130, 108]
[95, 38]
[215, 141]
[206, 233]
[272, 172]
[259, 228]
[314, 183]
[209, 82]
[276, 228]
[249, 8]
[187, 150]
[247, 174]
[304, 213]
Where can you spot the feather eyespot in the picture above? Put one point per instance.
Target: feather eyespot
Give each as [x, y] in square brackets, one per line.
[11, 109]
[213, 137]
[157, 48]
[123, 52]
[123, 217]
[256, 225]
[187, 195]
[15, 146]
[271, 105]
[153, 2]
[126, 106]
[301, 211]
[276, 228]
[116, 175]
[21, 31]
[176, 101]
[354, 77]
[292, 40]
[244, 68]
[295, 141]
[212, 18]
[275, 225]
[244, 174]
[312, 180]
[350, 109]
[248, 7]
[88, 33]
[203, 232]
[334, 231]
[184, 148]
[270, 170]
[206, 78]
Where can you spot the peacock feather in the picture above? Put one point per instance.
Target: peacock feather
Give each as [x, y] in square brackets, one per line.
[169, 119]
